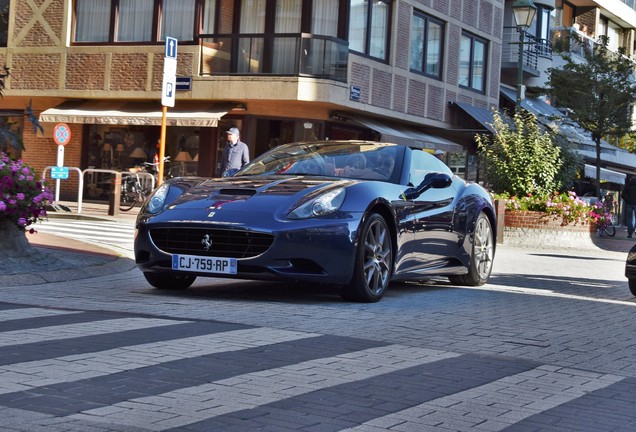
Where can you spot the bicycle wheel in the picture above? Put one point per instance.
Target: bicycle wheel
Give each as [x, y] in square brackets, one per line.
[610, 230]
[127, 201]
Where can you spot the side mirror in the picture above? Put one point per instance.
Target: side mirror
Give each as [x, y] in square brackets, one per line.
[439, 180]
[435, 180]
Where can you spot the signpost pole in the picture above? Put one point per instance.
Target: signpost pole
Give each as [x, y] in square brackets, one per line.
[162, 144]
[167, 96]
[61, 136]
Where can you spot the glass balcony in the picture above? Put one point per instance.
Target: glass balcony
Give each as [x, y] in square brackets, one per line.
[277, 55]
[570, 41]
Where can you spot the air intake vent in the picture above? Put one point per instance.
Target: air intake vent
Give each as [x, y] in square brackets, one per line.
[224, 243]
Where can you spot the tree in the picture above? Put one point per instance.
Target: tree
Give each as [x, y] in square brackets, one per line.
[598, 92]
[520, 158]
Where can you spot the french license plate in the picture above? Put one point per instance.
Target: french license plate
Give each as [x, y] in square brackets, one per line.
[201, 264]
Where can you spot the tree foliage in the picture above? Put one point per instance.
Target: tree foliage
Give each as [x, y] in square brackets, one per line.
[519, 158]
[599, 93]
[571, 163]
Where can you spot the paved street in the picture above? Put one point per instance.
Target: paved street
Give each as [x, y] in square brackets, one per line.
[547, 345]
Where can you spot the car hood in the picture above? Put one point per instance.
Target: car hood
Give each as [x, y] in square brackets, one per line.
[234, 197]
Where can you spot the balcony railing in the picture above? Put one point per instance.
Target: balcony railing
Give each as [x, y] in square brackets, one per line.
[533, 48]
[279, 54]
[569, 41]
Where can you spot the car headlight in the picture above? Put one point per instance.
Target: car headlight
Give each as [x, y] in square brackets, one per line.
[158, 199]
[320, 205]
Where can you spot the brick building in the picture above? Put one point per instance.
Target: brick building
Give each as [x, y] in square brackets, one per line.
[279, 70]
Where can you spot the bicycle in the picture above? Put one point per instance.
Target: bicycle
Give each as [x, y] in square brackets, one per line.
[133, 190]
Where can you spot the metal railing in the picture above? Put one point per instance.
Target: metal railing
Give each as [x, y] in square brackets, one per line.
[146, 179]
[283, 54]
[80, 187]
[533, 48]
[570, 41]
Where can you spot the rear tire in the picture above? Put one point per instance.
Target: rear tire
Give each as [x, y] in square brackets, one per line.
[481, 257]
[610, 230]
[373, 264]
[169, 281]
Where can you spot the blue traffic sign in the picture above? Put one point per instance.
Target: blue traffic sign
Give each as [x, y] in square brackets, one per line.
[59, 173]
[171, 47]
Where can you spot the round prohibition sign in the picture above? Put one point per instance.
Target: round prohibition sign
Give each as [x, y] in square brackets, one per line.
[61, 134]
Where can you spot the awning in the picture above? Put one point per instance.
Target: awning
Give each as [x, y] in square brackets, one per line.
[536, 106]
[482, 115]
[405, 135]
[196, 114]
[606, 174]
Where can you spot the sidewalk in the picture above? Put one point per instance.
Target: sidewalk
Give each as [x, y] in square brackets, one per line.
[58, 258]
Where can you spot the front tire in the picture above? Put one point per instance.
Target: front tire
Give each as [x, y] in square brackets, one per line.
[481, 257]
[169, 281]
[373, 264]
[127, 201]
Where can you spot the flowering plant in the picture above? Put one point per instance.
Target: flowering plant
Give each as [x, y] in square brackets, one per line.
[23, 199]
[600, 215]
[567, 207]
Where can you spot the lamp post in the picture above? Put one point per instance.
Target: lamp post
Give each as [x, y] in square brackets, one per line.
[523, 12]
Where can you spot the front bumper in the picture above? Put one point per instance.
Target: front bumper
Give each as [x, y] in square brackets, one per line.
[321, 253]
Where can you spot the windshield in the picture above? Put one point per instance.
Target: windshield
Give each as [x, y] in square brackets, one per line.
[355, 159]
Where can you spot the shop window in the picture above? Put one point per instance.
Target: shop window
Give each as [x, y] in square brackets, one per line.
[11, 126]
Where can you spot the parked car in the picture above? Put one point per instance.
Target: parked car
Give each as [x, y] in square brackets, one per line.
[354, 214]
[630, 270]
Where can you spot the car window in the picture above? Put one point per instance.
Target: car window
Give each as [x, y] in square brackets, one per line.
[423, 163]
[356, 160]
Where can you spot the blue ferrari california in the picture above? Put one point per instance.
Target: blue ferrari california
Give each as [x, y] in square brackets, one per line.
[352, 214]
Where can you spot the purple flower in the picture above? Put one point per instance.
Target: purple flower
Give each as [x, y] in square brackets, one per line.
[22, 196]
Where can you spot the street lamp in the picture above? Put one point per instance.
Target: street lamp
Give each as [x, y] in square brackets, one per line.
[523, 12]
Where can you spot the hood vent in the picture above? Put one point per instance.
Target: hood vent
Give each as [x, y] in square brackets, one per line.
[233, 194]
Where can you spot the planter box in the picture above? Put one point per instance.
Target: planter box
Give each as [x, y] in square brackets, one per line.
[538, 229]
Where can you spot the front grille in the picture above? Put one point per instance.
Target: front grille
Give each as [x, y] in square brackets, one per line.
[224, 243]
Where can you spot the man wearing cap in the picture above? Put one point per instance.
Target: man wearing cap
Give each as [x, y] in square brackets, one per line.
[235, 154]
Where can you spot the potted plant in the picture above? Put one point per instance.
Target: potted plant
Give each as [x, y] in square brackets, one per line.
[23, 201]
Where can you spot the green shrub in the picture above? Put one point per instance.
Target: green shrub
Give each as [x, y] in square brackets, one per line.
[519, 158]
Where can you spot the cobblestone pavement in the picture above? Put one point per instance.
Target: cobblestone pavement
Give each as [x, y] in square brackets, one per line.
[546, 345]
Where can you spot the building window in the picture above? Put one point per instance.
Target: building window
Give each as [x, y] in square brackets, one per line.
[543, 22]
[427, 40]
[4, 22]
[141, 21]
[369, 27]
[472, 62]
[324, 17]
